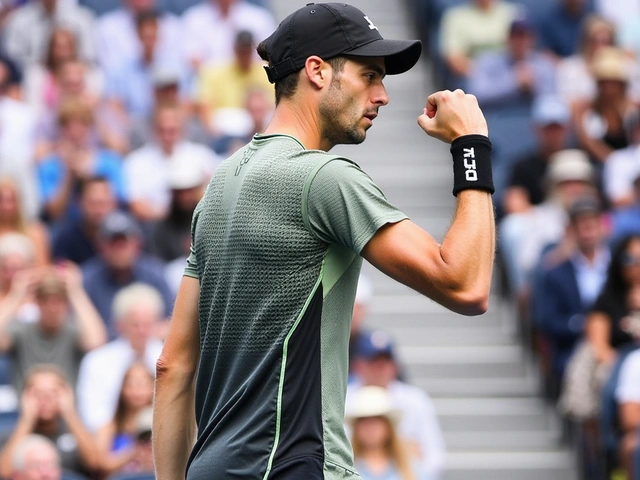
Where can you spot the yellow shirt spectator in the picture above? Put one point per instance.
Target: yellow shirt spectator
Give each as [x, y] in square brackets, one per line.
[227, 85]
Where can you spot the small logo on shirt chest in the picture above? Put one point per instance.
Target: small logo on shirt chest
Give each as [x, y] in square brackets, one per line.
[244, 160]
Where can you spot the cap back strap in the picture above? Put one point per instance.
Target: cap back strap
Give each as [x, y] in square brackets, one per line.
[276, 72]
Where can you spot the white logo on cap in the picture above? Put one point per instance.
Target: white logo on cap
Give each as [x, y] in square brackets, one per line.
[371, 25]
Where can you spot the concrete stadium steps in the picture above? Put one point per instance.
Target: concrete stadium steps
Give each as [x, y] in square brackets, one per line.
[484, 387]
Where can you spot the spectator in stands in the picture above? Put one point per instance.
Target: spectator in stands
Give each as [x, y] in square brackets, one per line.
[560, 28]
[627, 396]
[17, 253]
[67, 327]
[606, 327]
[622, 166]
[551, 119]
[600, 122]
[168, 89]
[211, 28]
[77, 239]
[47, 407]
[117, 439]
[137, 309]
[618, 12]
[74, 160]
[227, 85]
[469, 29]
[150, 195]
[568, 289]
[575, 80]
[35, 458]
[524, 235]
[629, 33]
[121, 263]
[109, 128]
[142, 461]
[378, 451]
[171, 236]
[514, 76]
[625, 221]
[119, 44]
[29, 28]
[17, 138]
[236, 127]
[41, 89]
[13, 220]
[364, 294]
[376, 365]
[131, 87]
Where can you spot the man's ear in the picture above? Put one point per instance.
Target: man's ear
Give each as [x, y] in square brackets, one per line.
[317, 71]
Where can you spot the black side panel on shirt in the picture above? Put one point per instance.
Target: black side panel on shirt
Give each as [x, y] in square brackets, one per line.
[301, 421]
[307, 468]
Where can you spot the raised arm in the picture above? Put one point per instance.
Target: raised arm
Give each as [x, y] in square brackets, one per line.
[91, 330]
[22, 285]
[174, 428]
[456, 274]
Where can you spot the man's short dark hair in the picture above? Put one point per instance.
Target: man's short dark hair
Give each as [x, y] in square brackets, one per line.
[287, 86]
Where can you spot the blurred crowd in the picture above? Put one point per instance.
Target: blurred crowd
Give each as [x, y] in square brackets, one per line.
[114, 114]
[559, 82]
[112, 121]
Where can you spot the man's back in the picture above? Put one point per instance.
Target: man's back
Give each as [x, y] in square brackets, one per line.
[275, 309]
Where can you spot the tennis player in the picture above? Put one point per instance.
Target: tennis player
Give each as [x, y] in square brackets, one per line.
[256, 355]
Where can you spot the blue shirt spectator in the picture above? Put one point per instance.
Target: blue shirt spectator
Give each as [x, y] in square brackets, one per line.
[567, 291]
[625, 222]
[132, 84]
[76, 239]
[54, 171]
[121, 263]
[560, 29]
[514, 76]
[118, 40]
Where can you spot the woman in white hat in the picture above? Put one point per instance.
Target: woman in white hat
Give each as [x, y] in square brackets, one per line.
[378, 451]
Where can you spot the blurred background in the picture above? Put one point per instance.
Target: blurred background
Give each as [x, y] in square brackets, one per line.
[114, 114]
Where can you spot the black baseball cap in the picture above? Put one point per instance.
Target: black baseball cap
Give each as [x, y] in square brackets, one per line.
[331, 29]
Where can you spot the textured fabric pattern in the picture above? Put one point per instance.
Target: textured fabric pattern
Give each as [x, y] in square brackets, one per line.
[259, 260]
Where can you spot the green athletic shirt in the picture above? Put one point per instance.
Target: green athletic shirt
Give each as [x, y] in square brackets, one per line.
[275, 245]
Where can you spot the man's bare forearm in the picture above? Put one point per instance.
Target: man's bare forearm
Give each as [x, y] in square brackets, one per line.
[174, 428]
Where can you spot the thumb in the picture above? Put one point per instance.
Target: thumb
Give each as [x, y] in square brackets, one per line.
[426, 122]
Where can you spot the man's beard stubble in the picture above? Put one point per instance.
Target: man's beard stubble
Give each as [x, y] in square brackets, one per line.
[331, 111]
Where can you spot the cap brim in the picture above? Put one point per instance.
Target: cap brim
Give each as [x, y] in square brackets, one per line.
[399, 55]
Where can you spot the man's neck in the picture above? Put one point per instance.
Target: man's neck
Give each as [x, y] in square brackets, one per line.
[299, 121]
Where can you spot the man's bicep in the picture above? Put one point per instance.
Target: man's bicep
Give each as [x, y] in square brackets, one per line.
[182, 346]
[408, 254]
